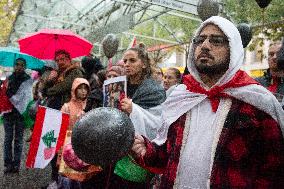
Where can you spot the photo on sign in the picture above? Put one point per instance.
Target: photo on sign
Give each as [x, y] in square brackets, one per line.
[114, 89]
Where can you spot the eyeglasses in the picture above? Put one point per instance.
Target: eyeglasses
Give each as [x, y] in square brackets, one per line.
[215, 40]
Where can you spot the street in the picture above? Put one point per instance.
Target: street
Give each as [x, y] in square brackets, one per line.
[27, 178]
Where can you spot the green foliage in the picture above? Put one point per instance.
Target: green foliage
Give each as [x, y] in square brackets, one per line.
[49, 138]
[249, 11]
[182, 28]
[8, 10]
[268, 21]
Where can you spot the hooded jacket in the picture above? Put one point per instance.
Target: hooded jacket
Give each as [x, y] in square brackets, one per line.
[75, 107]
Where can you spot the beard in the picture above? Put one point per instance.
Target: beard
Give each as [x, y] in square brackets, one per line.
[19, 73]
[215, 69]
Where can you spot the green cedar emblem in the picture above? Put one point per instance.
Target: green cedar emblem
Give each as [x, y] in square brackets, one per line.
[49, 138]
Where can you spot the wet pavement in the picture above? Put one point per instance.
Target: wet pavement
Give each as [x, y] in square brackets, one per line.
[27, 178]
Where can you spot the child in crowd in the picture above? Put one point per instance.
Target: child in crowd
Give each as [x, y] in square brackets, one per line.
[68, 177]
[75, 107]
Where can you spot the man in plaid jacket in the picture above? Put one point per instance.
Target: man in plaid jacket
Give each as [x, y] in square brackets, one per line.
[220, 129]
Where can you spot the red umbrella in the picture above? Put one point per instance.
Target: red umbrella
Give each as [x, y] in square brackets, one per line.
[44, 43]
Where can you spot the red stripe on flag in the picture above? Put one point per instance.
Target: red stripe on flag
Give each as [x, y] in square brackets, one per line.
[63, 130]
[36, 137]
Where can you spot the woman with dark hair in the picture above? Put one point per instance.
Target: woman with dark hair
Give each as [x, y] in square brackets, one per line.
[144, 96]
[172, 78]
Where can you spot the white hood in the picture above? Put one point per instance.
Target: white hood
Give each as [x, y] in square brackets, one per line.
[181, 101]
[236, 49]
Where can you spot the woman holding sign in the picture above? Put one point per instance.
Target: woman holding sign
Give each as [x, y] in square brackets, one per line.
[144, 95]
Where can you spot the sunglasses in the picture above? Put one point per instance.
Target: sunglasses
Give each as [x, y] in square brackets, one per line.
[215, 40]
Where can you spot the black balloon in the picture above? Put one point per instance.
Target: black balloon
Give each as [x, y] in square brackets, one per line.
[103, 136]
[246, 33]
[207, 8]
[110, 45]
[263, 3]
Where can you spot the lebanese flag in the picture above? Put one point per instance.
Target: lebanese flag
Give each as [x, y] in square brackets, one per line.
[48, 136]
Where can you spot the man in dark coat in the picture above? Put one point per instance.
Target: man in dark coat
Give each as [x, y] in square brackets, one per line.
[58, 86]
[13, 121]
[273, 79]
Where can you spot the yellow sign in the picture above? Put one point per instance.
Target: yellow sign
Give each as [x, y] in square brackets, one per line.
[256, 73]
[181, 69]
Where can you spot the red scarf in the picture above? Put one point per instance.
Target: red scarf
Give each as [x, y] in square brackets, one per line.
[274, 85]
[240, 79]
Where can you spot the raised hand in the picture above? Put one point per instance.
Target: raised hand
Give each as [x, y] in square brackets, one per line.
[126, 105]
[139, 147]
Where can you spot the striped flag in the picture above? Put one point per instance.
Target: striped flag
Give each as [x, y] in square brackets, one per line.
[48, 136]
[23, 96]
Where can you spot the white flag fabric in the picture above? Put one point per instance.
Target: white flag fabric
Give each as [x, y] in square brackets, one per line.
[48, 136]
[23, 96]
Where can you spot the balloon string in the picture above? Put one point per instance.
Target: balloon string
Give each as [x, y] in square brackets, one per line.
[108, 177]
[263, 10]
[109, 63]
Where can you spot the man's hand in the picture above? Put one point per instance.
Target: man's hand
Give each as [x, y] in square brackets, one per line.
[126, 105]
[53, 75]
[139, 147]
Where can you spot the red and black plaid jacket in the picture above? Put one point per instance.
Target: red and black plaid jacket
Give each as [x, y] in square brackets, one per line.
[249, 154]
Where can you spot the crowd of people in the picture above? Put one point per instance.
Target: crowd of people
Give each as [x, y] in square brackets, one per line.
[213, 128]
